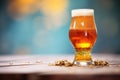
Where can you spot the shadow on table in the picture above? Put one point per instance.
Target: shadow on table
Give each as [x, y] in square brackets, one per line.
[57, 77]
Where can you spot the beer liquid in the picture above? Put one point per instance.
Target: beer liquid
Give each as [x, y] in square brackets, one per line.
[83, 36]
[83, 41]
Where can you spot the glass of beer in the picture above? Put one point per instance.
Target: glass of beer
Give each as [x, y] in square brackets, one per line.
[83, 35]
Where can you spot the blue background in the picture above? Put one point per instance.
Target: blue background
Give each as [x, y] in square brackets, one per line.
[43, 31]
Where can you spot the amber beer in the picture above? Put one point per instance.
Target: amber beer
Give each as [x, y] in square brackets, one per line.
[83, 35]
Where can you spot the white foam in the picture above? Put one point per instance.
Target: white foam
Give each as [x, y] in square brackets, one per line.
[82, 12]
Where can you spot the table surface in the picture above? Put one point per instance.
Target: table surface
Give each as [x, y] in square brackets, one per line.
[39, 64]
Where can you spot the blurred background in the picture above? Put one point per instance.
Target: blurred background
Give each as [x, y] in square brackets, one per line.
[41, 26]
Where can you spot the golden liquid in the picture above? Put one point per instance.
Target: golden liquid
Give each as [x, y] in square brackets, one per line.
[83, 40]
[83, 36]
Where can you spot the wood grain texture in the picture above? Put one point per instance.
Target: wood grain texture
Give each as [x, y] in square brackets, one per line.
[37, 68]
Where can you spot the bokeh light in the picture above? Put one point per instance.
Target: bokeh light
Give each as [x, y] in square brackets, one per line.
[32, 26]
[20, 8]
[54, 7]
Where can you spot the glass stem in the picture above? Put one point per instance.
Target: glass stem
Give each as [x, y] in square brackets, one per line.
[83, 56]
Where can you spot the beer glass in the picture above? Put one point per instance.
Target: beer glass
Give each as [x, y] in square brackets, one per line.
[83, 34]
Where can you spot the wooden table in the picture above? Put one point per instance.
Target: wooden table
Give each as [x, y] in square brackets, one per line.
[37, 68]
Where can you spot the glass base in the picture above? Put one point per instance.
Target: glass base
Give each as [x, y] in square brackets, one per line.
[84, 63]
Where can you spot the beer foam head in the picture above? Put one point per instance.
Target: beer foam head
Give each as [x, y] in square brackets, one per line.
[82, 12]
